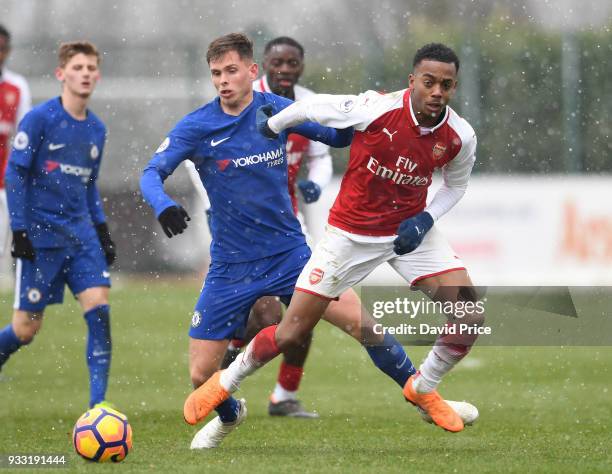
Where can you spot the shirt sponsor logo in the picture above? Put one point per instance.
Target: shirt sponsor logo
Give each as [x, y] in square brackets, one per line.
[73, 170]
[21, 141]
[222, 164]
[258, 158]
[396, 175]
[316, 275]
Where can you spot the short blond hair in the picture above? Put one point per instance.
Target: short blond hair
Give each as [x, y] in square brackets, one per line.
[68, 50]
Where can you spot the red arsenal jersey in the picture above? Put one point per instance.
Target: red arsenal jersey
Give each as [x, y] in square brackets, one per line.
[392, 158]
[14, 103]
[391, 166]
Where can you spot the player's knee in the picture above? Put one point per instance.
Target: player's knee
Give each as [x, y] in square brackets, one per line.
[199, 376]
[291, 341]
[25, 332]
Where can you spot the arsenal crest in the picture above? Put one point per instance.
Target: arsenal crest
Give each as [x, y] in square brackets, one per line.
[438, 150]
[316, 275]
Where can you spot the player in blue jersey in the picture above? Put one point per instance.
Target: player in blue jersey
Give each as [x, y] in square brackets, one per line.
[60, 235]
[258, 248]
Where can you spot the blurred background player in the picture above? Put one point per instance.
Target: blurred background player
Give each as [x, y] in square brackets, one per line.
[60, 235]
[381, 215]
[257, 248]
[283, 65]
[15, 101]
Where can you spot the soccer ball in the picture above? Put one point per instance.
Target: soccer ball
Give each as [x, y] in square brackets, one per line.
[102, 434]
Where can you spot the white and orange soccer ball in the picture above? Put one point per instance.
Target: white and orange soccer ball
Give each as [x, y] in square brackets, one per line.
[102, 434]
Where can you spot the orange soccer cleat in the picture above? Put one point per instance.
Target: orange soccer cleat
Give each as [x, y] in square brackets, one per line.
[440, 412]
[204, 399]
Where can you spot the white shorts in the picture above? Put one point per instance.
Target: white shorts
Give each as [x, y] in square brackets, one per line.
[339, 262]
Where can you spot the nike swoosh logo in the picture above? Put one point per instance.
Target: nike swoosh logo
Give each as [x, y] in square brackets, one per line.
[399, 366]
[214, 143]
[53, 146]
[105, 274]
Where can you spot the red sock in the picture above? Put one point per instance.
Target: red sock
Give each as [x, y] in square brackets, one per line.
[264, 345]
[289, 376]
[457, 345]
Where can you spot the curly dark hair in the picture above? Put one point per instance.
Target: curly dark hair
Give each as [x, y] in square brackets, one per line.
[286, 40]
[436, 52]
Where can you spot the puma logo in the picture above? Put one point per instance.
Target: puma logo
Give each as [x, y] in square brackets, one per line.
[389, 134]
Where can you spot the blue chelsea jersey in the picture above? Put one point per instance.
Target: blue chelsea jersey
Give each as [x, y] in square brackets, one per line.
[244, 173]
[51, 176]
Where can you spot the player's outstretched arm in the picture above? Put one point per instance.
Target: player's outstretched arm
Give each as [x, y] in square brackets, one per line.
[336, 111]
[311, 130]
[337, 138]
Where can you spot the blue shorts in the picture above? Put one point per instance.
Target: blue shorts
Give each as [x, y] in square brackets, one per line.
[230, 289]
[41, 283]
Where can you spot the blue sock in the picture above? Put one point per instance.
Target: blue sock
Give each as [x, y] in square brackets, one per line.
[98, 351]
[391, 358]
[9, 343]
[228, 410]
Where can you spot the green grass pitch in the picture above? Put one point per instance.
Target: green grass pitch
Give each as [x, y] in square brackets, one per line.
[541, 409]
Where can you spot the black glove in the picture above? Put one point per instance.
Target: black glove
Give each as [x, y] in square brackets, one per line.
[173, 220]
[22, 246]
[108, 246]
[261, 119]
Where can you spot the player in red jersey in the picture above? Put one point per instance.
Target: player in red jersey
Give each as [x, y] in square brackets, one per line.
[381, 215]
[15, 102]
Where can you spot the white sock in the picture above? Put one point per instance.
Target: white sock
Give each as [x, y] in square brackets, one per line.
[280, 394]
[431, 371]
[242, 367]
